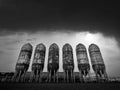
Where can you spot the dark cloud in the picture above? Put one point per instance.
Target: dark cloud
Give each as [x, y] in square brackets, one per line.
[48, 15]
[1, 52]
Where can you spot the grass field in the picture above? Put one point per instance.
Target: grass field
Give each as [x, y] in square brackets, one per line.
[60, 86]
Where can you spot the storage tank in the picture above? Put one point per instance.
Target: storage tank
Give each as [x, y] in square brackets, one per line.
[68, 63]
[24, 58]
[82, 59]
[53, 58]
[23, 62]
[97, 60]
[39, 58]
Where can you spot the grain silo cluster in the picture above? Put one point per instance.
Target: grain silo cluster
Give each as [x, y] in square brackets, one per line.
[53, 75]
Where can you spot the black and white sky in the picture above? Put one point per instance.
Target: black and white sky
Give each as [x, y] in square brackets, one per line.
[60, 21]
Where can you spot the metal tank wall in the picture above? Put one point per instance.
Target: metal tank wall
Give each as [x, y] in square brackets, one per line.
[82, 59]
[53, 61]
[97, 61]
[68, 63]
[38, 61]
[23, 61]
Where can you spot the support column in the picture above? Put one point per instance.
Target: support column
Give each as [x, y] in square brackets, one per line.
[101, 75]
[36, 78]
[89, 78]
[74, 77]
[19, 77]
[84, 77]
[54, 75]
[71, 76]
[23, 76]
[67, 77]
[57, 77]
[64, 76]
[96, 76]
[32, 76]
[80, 75]
[50, 76]
[40, 75]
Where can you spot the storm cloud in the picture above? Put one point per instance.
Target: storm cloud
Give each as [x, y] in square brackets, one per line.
[50, 15]
[45, 21]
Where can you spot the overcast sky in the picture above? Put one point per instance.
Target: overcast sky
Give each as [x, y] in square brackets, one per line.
[49, 21]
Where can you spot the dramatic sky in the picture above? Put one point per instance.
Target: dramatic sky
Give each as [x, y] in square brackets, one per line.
[57, 21]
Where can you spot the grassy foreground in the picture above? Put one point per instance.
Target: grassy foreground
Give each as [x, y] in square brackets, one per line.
[60, 86]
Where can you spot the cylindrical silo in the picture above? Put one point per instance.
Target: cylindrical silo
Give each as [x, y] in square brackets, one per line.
[38, 60]
[97, 61]
[23, 61]
[68, 63]
[82, 59]
[53, 61]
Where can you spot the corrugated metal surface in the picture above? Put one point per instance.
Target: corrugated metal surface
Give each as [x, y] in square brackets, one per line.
[68, 63]
[53, 57]
[81, 53]
[24, 57]
[39, 57]
[95, 54]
